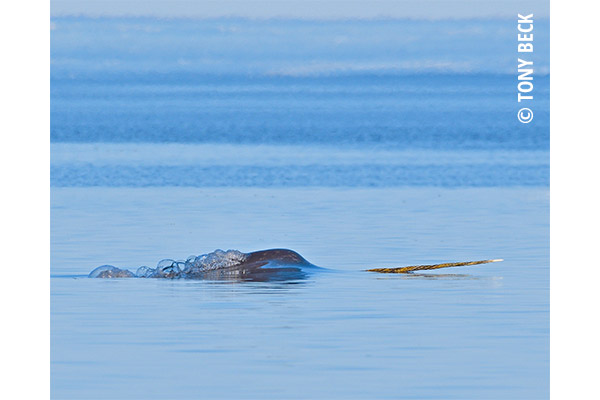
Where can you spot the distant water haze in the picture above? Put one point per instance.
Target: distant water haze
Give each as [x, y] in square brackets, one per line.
[294, 48]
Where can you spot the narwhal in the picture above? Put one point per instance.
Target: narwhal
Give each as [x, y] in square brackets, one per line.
[262, 265]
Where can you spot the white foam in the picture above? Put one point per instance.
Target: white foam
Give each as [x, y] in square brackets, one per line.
[171, 269]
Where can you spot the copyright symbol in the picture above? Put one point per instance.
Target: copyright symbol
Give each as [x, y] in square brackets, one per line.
[525, 115]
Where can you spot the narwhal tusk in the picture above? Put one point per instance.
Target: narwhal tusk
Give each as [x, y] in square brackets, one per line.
[404, 270]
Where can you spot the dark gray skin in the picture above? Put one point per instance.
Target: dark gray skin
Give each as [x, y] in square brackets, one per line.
[275, 257]
[266, 265]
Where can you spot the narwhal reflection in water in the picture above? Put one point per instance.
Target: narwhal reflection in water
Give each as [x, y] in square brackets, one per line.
[261, 266]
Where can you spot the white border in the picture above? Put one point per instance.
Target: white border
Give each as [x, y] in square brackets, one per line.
[25, 200]
[575, 271]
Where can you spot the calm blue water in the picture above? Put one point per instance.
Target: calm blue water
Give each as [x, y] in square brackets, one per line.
[356, 143]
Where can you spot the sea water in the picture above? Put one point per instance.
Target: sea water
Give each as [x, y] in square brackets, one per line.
[358, 144]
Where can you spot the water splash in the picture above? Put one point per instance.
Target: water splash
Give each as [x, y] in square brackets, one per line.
[108, 271]
[144, 272]
[193, 266]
